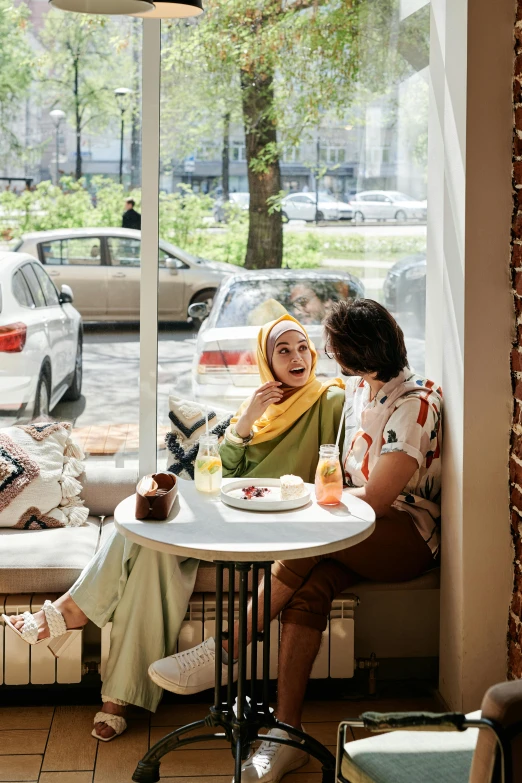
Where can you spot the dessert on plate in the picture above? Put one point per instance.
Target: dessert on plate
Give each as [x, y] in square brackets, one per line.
[292, 487]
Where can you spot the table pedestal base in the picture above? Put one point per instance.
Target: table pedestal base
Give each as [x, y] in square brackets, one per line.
[241, 719]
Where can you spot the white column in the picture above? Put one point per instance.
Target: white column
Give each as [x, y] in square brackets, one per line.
[469, 322]
[150, 147]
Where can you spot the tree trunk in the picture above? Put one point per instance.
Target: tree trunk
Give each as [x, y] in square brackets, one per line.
[225, 158]
[136, 104]
[265, 231]
[78, 120]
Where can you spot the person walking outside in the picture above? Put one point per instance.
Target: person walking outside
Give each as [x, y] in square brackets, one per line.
[131, 218]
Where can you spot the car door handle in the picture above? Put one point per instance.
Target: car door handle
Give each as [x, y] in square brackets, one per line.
[53, 273]
[119, 274]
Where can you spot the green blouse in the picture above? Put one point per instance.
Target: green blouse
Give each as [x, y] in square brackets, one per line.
[296, 451]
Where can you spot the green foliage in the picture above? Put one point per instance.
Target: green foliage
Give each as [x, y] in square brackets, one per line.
[357, 245]
[16, 62]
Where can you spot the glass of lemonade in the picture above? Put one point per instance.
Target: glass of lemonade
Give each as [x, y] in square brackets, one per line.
[208, 470]
[329, 476]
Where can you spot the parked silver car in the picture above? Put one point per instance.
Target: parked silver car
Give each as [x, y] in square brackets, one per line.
[224, 370]
[102, 265]
[239, 200]
[302, 206]
[387, 205]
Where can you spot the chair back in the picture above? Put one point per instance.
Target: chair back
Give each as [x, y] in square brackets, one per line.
[502, 704]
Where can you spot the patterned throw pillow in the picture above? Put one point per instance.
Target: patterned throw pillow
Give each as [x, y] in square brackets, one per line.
[187, 423]
[39, 466]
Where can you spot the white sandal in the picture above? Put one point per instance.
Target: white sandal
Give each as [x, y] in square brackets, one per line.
[60, 637]
[116, 722]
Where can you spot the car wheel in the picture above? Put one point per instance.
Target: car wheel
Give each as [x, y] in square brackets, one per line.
[358, 217]
[74, 392]
[401, 215]
[284, 217]
[319, 215]
[206, 296]
[42, 398]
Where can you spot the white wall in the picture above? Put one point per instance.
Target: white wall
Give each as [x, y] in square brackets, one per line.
[469, 322]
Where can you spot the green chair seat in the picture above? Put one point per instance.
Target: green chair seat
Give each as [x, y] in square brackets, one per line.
[410, 757]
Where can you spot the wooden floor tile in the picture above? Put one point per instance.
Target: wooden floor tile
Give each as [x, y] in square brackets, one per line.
[66, 777]
[19, 768]
[23, 741]
[323, 732]
[320, 711]
[26, 717]
[178, 714]
[117, 760]
[70, 745]
[192, 763]
[304, 777]
[157, 732]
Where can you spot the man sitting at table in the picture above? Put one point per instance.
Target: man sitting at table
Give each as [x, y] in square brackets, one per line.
[391, 459]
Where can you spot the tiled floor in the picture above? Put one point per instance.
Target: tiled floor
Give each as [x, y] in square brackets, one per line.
[53, 744]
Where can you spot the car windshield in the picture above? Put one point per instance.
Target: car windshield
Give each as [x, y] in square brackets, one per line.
[255, 302]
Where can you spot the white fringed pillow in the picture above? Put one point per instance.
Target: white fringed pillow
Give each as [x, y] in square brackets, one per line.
[39, 469]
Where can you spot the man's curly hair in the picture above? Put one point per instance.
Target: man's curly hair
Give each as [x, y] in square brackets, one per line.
[363, 337]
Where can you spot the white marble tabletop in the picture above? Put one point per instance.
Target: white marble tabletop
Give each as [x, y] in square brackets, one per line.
[204, 527]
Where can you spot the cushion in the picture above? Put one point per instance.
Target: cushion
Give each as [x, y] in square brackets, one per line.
[106, 486]
[39, 466]
[46, 560]
[410, 757]
[187, 422]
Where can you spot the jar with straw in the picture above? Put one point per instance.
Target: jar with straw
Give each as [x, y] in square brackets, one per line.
[208, 470]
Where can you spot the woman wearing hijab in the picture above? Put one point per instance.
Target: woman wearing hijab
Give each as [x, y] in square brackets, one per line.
[280, 428]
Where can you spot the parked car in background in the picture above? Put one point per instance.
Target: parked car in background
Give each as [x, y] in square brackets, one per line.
[387, 205]
[405, 288]
[239, 200]
[224, 370]
[102, 265]
[302, 206]
[40, 339]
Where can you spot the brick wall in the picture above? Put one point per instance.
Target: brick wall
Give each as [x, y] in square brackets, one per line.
[515, 463]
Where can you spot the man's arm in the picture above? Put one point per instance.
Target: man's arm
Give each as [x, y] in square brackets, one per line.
[387, 480]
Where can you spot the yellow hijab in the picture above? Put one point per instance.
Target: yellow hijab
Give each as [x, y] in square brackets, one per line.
[278, 418]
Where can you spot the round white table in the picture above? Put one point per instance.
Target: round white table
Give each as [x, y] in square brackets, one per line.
[204, 527]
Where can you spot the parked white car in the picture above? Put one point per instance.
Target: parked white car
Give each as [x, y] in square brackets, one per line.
[224, 370]
[387, 205]
[302, 206]
[239, 200]
[40, 339]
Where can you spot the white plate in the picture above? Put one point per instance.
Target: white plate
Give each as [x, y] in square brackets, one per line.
[232, 495]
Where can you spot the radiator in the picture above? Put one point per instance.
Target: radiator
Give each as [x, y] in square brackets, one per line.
[335, 659]
[23, 664]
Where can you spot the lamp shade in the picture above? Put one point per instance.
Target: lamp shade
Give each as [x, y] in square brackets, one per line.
[107, 7]
[173, 9]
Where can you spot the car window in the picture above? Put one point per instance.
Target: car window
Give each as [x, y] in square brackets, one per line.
[251, 302]
[124, 251]
[50, 292]
[76, 251]
[34, 286]
[21, 290]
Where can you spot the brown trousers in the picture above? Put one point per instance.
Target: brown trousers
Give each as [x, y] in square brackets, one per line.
[395, 552]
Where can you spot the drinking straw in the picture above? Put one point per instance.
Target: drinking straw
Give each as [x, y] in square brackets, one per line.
[206, 421]
[340, 427]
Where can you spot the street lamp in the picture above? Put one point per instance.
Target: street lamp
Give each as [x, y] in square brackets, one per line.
[57, 116]
[122, 99]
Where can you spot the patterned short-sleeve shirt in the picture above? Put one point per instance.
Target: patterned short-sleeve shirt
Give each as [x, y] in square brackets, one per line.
[404, 416]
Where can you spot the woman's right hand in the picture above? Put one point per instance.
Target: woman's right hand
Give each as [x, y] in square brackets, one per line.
[267, 394]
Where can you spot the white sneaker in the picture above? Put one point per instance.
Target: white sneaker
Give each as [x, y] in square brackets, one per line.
[190, 671]
[272, 761]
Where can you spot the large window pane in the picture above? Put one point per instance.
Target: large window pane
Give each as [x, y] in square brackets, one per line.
[62, 199]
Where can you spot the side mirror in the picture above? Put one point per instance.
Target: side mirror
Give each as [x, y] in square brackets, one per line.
[66, 295]
[172, 266]
[198, 311]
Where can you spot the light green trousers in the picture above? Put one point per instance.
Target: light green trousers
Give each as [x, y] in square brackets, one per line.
[145, 594]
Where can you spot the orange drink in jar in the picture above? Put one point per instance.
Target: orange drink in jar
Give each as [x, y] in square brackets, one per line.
[329, 476]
